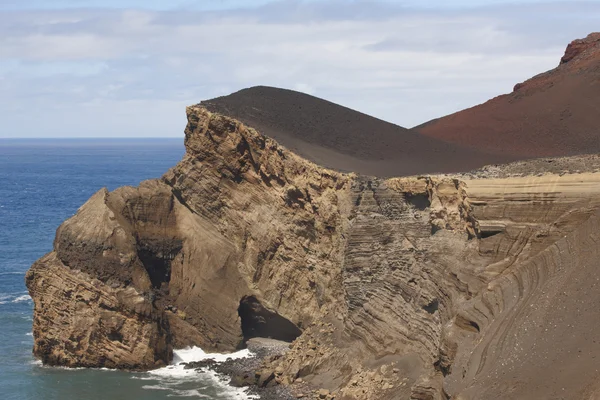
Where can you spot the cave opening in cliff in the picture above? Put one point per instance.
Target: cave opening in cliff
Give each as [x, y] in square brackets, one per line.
[420, 201]
[156, 259]
[432, 306]
[258, 321]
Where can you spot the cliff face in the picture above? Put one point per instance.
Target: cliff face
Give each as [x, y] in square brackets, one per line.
[238, 216]
[419, 287]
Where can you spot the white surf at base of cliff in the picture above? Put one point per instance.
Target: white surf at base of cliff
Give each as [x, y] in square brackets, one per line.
[207, 384]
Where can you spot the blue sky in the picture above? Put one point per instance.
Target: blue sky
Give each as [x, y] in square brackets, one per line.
[164, 5]
[129, 68]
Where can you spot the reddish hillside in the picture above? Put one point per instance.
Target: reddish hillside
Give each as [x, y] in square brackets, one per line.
[340, 138]
[554, 113]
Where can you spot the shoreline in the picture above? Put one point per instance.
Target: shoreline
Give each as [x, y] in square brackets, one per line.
[248, 372]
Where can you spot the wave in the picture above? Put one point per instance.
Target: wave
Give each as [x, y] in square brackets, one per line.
[178, 392]
[197, 354]
[175, 374]
[19, 299]
[176, 381]
[40, 364]
[4, 298]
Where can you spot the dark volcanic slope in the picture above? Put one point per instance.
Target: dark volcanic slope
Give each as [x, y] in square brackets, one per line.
[343, 139]
[556, 113]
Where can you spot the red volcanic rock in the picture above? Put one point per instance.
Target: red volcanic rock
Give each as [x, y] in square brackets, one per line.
[555, 113]
[576, 47]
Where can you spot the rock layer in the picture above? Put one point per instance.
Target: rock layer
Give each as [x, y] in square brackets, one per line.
[421, 287]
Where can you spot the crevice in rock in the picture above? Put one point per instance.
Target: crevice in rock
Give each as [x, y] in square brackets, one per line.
[467, 324]
[156, 257]
[420, 201]
[487, 234]
[432, 307]
[444, 368]
[115, 336]
[258, 321]
[178, 195]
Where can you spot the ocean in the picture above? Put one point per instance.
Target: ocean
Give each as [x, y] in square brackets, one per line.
[42, 183]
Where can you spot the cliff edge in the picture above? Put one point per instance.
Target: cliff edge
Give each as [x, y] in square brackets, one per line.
[424, 287]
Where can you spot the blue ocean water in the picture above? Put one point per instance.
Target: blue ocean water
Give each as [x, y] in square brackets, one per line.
[43, 182]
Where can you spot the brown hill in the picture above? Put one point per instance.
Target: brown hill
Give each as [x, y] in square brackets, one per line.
[343, 139]
[556, 113]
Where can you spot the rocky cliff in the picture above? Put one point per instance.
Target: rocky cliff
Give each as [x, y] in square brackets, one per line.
[425, 287]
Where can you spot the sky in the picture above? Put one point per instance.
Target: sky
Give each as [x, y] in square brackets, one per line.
[128, 68]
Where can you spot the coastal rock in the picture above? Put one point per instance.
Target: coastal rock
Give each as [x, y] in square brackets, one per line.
[421, 287]
[238, 218]
[81, 322]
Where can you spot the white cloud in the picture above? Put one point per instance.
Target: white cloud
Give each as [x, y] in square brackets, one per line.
[403, 65]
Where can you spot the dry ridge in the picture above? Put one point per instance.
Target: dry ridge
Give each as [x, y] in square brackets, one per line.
[556, 113]
[342, 139]
[473, 286]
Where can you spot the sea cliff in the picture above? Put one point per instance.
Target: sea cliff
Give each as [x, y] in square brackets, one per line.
[423, 287]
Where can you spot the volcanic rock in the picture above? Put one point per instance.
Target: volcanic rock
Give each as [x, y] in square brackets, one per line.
[389, 288]
[342, 139]
[552, 114]
[422, 287]
[576, 47]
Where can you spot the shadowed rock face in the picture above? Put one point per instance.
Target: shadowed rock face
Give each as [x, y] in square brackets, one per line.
[427, 287]
[257, 321]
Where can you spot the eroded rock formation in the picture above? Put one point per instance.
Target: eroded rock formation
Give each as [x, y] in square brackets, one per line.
[421, 287]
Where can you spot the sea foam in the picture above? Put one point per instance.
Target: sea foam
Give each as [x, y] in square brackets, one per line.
[13, 298]
[19, 299]
[169, 377]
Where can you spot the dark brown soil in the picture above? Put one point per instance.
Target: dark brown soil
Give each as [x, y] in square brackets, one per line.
[343, 139]
[556, 113]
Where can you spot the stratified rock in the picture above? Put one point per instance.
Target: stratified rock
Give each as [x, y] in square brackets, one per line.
[423, 287]
[80, 321]
[240, 217]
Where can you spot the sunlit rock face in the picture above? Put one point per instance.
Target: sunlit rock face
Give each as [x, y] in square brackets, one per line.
[421, 287]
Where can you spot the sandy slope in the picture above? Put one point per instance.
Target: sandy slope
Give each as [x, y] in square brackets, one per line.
[556, 113]
[343, 139]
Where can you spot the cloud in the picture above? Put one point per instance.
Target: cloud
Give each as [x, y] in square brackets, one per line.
[399, 63]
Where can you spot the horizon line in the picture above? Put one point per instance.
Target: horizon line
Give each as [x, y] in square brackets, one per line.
[89, 138]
